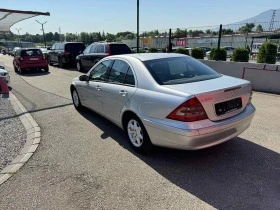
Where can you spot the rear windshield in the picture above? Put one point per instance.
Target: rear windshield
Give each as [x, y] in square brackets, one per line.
[118, 49]
[75, 47]
[31, 52]
[169, 71]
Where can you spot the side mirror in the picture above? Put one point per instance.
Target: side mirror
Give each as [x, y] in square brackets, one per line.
[84, 78]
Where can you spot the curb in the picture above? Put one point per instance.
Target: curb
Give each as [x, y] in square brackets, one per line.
[33, 138]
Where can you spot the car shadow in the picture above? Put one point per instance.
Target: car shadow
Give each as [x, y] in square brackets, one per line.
[238, 174]
[68, 67]
[35, 73]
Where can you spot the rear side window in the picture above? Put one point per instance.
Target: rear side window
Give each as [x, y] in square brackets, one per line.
[92, 49]
[121, 73]
[100, 49]
[75, 47]
[129, 78]
[169, 71]
[32, 52]
[118, 71]
[118, 49]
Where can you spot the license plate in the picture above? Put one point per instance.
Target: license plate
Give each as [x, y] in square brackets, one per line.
[34, 59]
[228, 106]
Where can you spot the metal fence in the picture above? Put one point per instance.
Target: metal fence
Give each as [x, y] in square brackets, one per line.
[234, 35]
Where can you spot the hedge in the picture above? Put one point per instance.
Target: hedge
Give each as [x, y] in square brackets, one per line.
[218, 55]
[182, 51]
[197, 53]
[267, 53]
[153, 50]
[240, 55]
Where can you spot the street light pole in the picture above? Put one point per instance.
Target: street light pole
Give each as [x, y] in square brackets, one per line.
[137, 26]
[19, 43]
[43, 30]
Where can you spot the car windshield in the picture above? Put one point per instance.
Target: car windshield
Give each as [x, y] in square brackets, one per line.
[118, 49]
[179, 70]
[31, 52]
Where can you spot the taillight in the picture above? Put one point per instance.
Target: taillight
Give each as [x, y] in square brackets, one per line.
[21, 58]
[189, 111]
[66, 52]
[44, 57]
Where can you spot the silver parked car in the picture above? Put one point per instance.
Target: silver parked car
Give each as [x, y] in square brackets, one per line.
[4, 73]
[166, 99]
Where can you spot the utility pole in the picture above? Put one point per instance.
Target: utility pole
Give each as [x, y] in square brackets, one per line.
[137, 26]
[43, 30]
[19, 43]
[59, 34]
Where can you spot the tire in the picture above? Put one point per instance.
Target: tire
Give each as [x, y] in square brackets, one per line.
[21, 70]
[46, 69]
[79, 66]
[137, 135]
[60, 63]
[76, 100]
[15, 68]
[49, 61]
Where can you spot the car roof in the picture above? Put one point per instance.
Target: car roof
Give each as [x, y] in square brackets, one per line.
[150, 56]
[30, 48]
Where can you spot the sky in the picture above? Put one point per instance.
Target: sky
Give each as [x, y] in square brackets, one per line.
[112, 16]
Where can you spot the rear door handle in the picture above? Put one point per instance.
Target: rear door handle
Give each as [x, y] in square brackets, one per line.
[123, 92]
[98, 87]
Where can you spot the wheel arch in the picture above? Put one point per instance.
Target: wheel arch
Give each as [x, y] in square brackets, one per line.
[126, 115]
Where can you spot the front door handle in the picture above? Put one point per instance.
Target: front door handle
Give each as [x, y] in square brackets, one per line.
[123, 92]
[98, 87]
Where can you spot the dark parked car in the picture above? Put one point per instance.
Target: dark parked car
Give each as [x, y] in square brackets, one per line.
[3, 51]
[96, 51]
[28, 59]
[65, 53]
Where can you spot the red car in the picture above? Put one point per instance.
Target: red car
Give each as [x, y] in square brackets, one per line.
[28, 59]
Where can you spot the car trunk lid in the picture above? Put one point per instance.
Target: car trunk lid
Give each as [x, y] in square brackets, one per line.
[221, 97]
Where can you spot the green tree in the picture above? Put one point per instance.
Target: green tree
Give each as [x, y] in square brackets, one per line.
[56, 36]
[247, 28]
[259, 28]
[208, 31]
[227, 31]
[110, 37]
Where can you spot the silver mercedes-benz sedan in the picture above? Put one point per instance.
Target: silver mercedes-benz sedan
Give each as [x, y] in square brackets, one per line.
[166, 99]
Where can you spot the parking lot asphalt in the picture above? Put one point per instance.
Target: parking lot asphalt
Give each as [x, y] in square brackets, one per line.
[85, 162]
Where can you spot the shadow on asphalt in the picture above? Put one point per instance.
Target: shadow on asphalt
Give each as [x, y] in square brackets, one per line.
[34, 73]
[36, 110]
[68, 67]
[235, 175]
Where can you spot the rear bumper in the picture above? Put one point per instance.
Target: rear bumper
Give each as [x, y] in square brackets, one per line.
[194, 139]
[34, 65]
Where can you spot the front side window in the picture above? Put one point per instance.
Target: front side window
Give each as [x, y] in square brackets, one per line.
[118, 71]
[86, 51]
[100, 72]
[180, 70]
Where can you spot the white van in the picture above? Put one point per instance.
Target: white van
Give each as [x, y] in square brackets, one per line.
[256, 47]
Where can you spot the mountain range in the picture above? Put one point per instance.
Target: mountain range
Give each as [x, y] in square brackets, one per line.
[263, 19]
